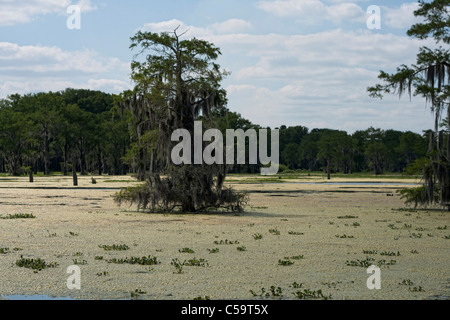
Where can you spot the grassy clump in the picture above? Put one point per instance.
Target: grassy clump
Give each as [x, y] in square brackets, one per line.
[115, 247]
[311, 294]
[196, 262]
[19, 216]
[149, 260]
[35, 264]
[226, 241]
[286, 262]
[274, 292]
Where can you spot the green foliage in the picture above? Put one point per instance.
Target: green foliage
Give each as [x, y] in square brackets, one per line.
[306, 294]
[274, 231]
[35, 264]
[257, 236]
[429, 77]
[194, 262]
[18, 216]
[51, 131]
[285, 262]
[178, 265]
[116, 247]
[149, 260]
[418, 195]
[226, 241]
[273, 292]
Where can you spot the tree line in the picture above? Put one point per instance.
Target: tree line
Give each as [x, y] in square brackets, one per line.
[85, 131]
[74, 130]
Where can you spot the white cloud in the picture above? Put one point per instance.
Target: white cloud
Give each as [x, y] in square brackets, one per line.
[314, 11]
[286, 8]
[109, 85]
[231, 26]
[402, 17]
[317, 79]
[45, 60]
[31, 68]
[13, 12]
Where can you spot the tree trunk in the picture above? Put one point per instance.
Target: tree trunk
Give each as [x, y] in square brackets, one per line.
[99, 163]
[74, 173]
[65, 159]
[46, 156]
[328, 169]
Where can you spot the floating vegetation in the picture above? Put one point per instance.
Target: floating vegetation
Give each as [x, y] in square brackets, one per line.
[285, 262]
[81, 262]
[273, 291]
[115, 247]
[274, 231]
[257, 236]
[368, 262]
[411, 286]
[295, 257]
[178, 265]
[196, 262]
[226, 241]
[136, 293]
[19, 216]
[149, 260]
[295, 233]
[311, 294]
[415, 235]
[35, 264]
[390, 253]
[344, 236]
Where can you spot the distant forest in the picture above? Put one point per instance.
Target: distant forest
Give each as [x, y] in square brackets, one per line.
[88, 132]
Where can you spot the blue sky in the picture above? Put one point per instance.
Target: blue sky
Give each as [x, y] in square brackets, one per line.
[292, 62]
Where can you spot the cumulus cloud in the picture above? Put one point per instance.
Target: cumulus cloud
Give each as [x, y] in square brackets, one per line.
[32, 68]
[230, 26]
[402, 17]
[314, 79]
[314, 11]
[13, 12]
[45, 60]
